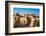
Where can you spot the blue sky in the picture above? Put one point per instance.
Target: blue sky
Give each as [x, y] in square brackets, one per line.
[26, 10]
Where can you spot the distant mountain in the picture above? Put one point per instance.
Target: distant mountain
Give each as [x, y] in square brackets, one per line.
[18, 14]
